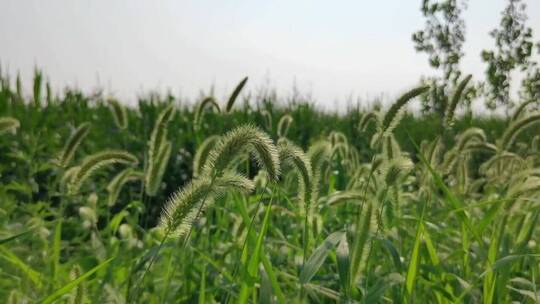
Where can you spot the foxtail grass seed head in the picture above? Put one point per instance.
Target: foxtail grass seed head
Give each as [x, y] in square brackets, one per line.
[8, 124]
[396, 169]
[454, 101]
[520, 109]
[78, 294]
[367, 119]
[119, 113]
[115, 185]
[290, 154]
[284, 124]
[235, 94]
[470, 136]
[238, 140]
[515, 128]
[157, 169]
[394, 114]
[183, 206]
[318, 153]
[267, 116]
[159, 132]
[205, 103]
[73, 143]
[96, 161]
[158, 151]
[201, 156]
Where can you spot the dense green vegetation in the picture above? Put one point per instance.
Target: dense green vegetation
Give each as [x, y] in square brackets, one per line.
[253, 202]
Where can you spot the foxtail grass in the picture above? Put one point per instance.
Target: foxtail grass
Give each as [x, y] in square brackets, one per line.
[235, 94]
[73, 143]
[8, 124]
[91, 164]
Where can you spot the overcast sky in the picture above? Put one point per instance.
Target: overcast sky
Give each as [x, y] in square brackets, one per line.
[332, 49]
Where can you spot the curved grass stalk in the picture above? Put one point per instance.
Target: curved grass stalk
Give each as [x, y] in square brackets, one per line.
[201, 156]
[367, 119]
[267, 119]
[396, 169]
[72, 144]
[97, 161]
[115, 185]
[290, 154]
[183, 206]
[515, 128]
[119, 114]
[159, 133]
[521, 108]
[456, 98]
[158, 151]
[155, 172]
[471, 135]
[238, 140]
[207, 102]
[284, 124]
[393, 115]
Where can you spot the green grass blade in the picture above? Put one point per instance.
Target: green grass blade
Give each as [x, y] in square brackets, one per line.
[202, 289]
[13, 237]
[248, 279]
[318, 256]
[56, 251]
[273, 279]
[415, 259]
[69, 286]
[32, 274]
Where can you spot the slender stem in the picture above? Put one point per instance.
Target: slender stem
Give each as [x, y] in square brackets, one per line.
[166, 235]
[154, 256]
[237, 264]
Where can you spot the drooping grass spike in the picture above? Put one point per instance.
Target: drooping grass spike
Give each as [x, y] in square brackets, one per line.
[471, 135]
[115, 185]
[8, 124]
[159, 133]
[396, 169]
[119, 113]
[292, 155]
[238, 140]
[393, 115]
[267, 116]
[235, 94]
[319, 153]
[391, 148]
[456, 98]
[72, 144]
[96, 161]
[199, 160]
[183, 206]
[207, 102]
[283, 125]
[37, 83]
[371, 117]
[515, 128]
[521, 108]
[157, 151]
[157, 169]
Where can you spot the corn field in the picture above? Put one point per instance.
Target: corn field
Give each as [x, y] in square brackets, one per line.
[243, 201]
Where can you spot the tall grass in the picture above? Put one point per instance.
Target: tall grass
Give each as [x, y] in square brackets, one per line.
[185, 205]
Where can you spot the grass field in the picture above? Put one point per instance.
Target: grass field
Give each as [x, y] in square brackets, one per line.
[236, 202]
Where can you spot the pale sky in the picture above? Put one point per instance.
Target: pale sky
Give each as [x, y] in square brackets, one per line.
[331, 49]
